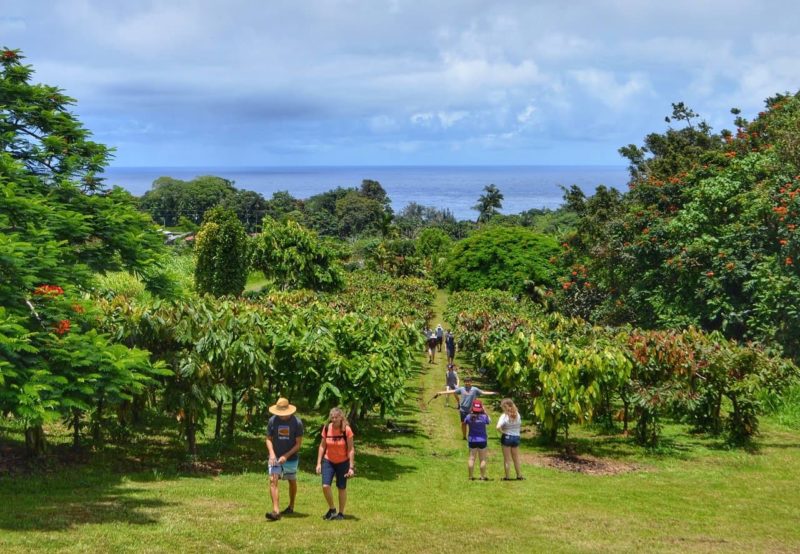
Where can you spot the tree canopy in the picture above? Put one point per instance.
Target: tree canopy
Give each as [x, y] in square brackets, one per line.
[58, 224]
[500, 257]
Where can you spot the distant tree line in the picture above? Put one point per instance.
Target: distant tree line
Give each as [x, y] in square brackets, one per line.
[346, 213]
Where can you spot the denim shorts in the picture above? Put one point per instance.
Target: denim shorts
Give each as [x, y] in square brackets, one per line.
[478, 444]
[329, 469]
[509, 440]
[287, 470]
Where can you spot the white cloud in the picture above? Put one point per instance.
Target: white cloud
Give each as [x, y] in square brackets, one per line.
[408, 72]
[603, 85]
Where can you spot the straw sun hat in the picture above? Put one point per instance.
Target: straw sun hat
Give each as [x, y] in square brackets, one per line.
[282, 408]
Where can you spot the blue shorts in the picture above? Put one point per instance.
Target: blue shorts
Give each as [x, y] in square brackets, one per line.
[329, 469]
[478, 444]
[287, 470]
[509, 440]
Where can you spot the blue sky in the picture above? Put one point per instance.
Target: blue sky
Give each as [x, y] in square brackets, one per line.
[394, 82]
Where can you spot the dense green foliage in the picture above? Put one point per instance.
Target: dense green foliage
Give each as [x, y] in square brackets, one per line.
[222, 254]
[169, 200]
[706, 236]
[236, 351]
[406, 298]
[565, 370]
[499, 257]
[58, 225]
[294, 257]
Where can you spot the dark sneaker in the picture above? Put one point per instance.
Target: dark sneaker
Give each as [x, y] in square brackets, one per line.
[273, 516]
[287, 511]
[340, 515]
[330, 514]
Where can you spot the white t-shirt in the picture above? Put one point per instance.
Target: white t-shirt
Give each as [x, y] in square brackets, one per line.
[508, 426]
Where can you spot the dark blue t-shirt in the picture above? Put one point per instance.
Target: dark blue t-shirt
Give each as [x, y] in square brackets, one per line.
[284, 434]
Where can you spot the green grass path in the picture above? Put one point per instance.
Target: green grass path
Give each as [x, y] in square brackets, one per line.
[412, 495]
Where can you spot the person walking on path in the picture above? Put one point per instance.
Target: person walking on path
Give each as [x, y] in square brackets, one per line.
[439, 336]
[336, 458]
[431, 342]
[510, 425]
[284, 438]
[451, 382]
[477, 421]
[450, 346]
[467, 394]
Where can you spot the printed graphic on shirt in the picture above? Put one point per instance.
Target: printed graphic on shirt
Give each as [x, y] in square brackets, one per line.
[283, 432]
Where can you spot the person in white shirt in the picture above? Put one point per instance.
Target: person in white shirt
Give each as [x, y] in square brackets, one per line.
[510, 425]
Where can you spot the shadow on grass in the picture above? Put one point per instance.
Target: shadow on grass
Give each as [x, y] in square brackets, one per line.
[57, 504]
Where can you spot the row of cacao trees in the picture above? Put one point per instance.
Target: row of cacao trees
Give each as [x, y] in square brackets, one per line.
[111, 357]
[564, 370]
[318, 350]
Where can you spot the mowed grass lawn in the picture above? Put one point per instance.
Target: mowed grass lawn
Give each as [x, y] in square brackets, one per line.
[411, 494]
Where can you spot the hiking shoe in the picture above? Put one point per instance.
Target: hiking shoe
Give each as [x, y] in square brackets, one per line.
[273, 516]
[508, 478]
[340, 515]
[520, 478]
[330, 514]
[287, 511]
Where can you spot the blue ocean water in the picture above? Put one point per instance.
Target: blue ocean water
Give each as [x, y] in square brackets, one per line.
[454, 188]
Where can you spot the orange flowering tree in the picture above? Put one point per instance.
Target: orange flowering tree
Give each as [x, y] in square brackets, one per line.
[706, 235]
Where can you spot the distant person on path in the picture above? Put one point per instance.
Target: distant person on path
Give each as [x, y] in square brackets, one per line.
[451, 381]
[431, 342]
[450, 346]
[439, 336]
[477, 421]
[510, 425]
[336, 458]
[467, 394]
[427, 332]
[284, 437]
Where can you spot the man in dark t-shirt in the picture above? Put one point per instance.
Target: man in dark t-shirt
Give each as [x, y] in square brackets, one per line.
[450, 345]
[284, 437]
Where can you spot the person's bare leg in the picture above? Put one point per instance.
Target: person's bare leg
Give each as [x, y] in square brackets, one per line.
[342, 500]
[515, 456]
[292, 493]
[274, 493]
[471, 462]
[483, 453]
[326, 490]
[464, 429]
[507, 460]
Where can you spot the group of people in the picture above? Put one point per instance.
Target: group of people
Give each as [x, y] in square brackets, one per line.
[434, 338]
[336, 452]
[335, 457]
[474, 423]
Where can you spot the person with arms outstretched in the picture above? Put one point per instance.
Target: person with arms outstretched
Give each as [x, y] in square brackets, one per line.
[467, 394]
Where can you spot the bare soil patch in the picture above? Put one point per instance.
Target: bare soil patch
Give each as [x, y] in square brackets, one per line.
[588, 465]
[208, 467]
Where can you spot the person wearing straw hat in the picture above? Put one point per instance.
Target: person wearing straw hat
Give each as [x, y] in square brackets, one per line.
[284, 437]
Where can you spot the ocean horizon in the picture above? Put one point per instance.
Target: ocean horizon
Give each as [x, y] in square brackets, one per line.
[456, 188]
